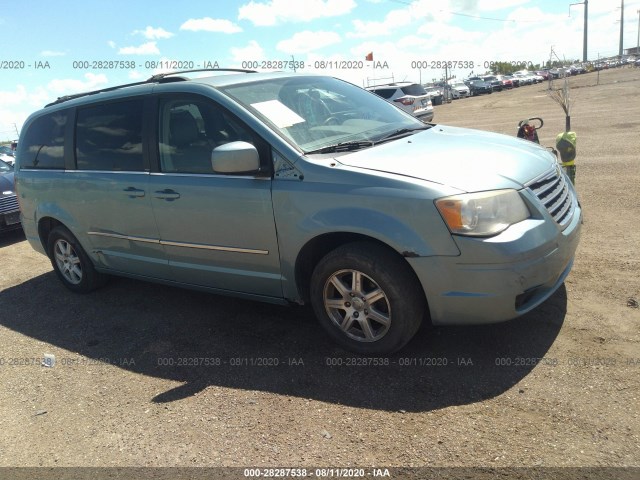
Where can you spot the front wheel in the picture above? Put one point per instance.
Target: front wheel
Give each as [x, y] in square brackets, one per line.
[367, 298]
[71, 263]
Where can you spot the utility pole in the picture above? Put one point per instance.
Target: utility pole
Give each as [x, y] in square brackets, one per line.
[586, 18]
[621, 26]
[584, 39]
[638, 41]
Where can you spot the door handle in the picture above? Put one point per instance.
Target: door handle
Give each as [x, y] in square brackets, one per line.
[133, 192]
[167, 194]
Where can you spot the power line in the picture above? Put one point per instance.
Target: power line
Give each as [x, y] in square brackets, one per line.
[478, 17]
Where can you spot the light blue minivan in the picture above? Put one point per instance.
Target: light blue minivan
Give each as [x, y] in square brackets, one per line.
[297, 188]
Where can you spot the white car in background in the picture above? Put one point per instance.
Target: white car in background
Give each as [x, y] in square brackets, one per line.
[410, 97]
[7, 158]
[459, 90]
[7, 155]
[528, 78]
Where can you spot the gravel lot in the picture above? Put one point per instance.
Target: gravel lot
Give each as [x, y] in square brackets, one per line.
[558, 387]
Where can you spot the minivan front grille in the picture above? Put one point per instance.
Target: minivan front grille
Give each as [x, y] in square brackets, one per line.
[9, 204]
[554, 193]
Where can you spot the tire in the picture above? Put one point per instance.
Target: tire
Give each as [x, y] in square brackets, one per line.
[71, 263]
[367, 298]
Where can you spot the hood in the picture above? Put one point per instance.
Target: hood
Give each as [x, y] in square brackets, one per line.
[6, 182]
[469, 160]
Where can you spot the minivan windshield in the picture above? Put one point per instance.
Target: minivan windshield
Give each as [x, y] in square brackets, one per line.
[315, 113]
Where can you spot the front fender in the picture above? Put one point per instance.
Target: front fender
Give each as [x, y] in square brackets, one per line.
[371, 223]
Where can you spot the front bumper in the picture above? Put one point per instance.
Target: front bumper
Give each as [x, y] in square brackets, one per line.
[9, 213]
[500, 278]
[10, 221]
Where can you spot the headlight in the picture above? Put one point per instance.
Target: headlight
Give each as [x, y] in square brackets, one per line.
[482, 214]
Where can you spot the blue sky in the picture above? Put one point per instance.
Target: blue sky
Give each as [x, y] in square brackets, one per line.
[65, 36]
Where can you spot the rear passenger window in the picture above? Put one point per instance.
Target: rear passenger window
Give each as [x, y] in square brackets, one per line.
[44, 141]
[109, 137]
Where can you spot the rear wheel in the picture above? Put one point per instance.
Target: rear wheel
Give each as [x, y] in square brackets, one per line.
[367, 298]
[71, 263]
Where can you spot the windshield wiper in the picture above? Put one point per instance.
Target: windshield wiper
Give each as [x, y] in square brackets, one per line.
[343, 147]
[403, 132]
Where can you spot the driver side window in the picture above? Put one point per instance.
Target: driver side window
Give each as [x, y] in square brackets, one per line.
[188, 132]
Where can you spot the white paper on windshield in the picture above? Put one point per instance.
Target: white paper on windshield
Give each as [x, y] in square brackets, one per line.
[278, 113]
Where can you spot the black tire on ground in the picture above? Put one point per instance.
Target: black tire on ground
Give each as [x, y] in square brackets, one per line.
[367, 298]
[71, 263]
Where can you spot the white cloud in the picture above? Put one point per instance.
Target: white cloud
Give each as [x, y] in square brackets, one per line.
[307, 41]
[52, 53]
[209, 24]
[151, 33]
[73, 85]
[399, 20]
[149, 48]
[20, 102]
[490, 5]
[252, 52]
[443, 33]
[393, 20]
[13, 97]
[274, 12]
[111, 43]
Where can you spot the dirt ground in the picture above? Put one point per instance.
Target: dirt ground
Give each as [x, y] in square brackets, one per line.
[148, 375]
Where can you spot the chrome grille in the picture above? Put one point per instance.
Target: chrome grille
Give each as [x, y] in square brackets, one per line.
[9, 204]
[553, 192]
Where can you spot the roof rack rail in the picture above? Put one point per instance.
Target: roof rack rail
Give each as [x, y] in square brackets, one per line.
[160, 76]
[153, 79]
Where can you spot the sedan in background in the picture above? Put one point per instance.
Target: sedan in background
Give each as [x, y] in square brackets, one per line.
[458, 90]
[515, 81]
[478, 87]
[496, 84]
[9, 209]
[505, 81]
[544, 74]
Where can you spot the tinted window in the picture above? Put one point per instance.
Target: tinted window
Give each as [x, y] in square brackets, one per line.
[385, 92]
[415, 90]
[190, 129]
[44, 142]
[109, 137]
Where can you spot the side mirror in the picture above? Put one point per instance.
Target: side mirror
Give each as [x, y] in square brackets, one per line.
[235, 157]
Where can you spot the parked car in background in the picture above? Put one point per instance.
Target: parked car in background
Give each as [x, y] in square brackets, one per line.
[478, 87]
[436, 94]
[525, 79]
[255, 185]
[496, 84]
[458, 90]
[9, 159]
[507, 83]
[9, 209]
[544, 74]
[4, 149]
[515, 81]
[410, 97]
